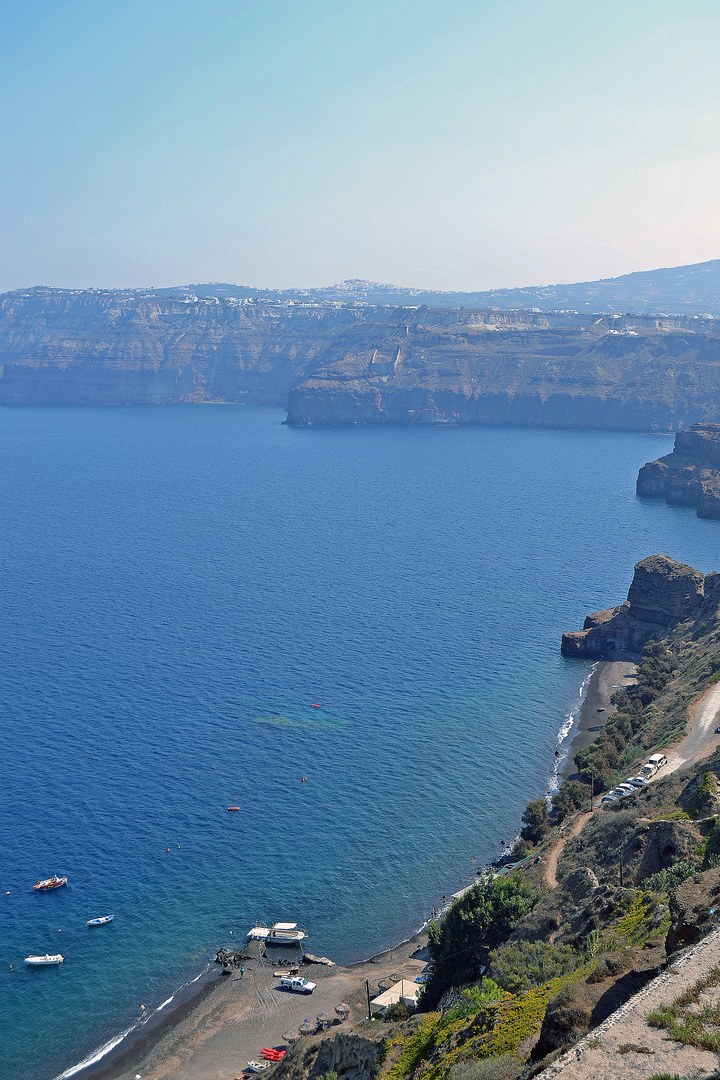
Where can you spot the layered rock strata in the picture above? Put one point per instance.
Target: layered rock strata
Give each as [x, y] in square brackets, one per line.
[662, 594]
[690, 475]
[340, 363]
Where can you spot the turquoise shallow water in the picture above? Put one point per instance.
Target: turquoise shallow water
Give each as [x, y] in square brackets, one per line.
[180, 585]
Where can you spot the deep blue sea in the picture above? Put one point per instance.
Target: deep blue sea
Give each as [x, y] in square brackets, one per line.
[180, 585]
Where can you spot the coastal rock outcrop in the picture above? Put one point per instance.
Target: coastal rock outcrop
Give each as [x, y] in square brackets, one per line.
[690, 475]
[351, 1056]
[663, 593]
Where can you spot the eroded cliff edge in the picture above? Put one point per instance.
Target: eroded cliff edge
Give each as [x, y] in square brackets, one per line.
[340, 363]
[626, 373]
[663, 594]
[690, 475]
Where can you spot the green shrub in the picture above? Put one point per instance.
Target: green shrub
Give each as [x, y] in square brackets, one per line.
[571, 796]
[475, 923]
[536, 821]
[519, 965]
[669, 879]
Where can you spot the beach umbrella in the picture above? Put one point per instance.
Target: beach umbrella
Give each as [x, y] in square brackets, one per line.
[306, 1028]
[323, 1019]
[290, 1037]
[342, 1010]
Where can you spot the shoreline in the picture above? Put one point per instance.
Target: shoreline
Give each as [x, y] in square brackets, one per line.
[140, 1048]
[595, 711]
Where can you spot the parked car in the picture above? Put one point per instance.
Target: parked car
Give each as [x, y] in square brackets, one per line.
[302, 986]
[638, 781]
[627, 787]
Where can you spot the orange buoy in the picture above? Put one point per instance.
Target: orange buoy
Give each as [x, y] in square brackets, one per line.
[167, 848]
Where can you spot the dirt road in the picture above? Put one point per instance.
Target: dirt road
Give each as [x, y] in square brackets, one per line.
[701, 737]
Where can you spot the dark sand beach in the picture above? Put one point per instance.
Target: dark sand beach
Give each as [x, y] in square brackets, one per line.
[227, 1023]
[606, 679]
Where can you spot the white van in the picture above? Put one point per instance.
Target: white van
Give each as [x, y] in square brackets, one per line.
[658, 760]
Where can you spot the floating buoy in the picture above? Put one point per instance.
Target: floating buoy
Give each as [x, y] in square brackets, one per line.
[7, 893]
[11, 967]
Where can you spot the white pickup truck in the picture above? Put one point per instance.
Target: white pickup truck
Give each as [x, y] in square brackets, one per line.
[297, 983]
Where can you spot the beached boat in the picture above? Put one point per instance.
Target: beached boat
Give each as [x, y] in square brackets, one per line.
[280, 933]
[43, 961]
[53, 882]
[101, 921]
[257, 1066]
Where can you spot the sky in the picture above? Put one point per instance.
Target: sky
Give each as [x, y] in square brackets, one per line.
[469, 144]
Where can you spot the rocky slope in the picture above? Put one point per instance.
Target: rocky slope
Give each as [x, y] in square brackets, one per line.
[336, 362]
[690, 475]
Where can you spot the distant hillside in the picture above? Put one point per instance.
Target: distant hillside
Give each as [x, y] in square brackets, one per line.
[693, 289]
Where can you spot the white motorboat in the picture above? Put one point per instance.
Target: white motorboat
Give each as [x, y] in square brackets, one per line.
[43, 961]
[280, 933]
[257, 1066]
[101, 921]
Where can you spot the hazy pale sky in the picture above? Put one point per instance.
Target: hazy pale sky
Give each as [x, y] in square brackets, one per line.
[467, 144]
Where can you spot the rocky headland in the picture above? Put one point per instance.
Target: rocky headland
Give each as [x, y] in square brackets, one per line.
[690, 475]
[337, 362]
[663, 593]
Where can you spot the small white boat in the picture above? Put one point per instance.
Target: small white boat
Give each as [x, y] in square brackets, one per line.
[280, 933]
[258, 1066]
[43, 961]
[53, 882]
[101, 921]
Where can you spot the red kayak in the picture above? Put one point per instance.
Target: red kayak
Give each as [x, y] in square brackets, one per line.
[272, 1055]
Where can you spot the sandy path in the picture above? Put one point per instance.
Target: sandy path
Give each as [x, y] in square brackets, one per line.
[701, 738]
[556, 849]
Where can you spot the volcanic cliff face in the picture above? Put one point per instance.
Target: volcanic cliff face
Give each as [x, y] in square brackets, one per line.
[663, 593]
[339, 363]
[522, 368]
[59, 347]
[690, 475]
